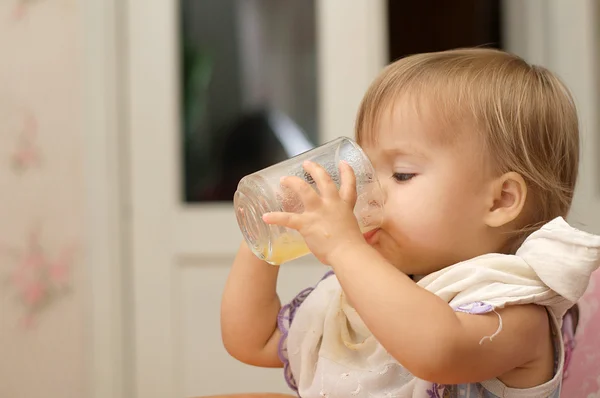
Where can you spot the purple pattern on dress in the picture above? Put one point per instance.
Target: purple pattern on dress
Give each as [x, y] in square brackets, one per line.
[436, 391]
[568, 332]
[284, 321]
[476, 308]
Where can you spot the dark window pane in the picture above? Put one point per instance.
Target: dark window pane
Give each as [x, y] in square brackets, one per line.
[249, 89]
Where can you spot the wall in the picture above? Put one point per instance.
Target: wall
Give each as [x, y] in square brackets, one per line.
[41, 195]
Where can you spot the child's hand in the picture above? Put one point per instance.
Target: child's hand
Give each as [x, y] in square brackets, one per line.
[327, 223]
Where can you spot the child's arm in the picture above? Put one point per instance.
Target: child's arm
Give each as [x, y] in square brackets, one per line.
[425, 334]
[249, 310]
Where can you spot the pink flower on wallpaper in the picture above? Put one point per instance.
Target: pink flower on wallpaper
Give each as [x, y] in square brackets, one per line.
[21, 7]
[27, 153]
[33, 293]
[39, 279]
[20, 10]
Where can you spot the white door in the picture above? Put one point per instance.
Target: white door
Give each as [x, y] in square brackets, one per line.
[180, 255]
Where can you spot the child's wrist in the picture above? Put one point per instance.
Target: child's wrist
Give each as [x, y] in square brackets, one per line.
[347, 251]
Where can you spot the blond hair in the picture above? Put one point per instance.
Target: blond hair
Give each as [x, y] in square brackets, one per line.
[524, 114]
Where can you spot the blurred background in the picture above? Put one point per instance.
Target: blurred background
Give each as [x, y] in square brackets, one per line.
[125, 127]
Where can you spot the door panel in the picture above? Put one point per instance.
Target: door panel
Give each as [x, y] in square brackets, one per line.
[199, 286]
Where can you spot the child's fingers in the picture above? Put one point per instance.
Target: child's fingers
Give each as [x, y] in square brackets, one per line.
[322, 178]
[307, 195]
[289, 220]
[348, 186]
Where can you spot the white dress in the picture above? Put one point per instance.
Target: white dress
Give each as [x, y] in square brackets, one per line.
[329, 352]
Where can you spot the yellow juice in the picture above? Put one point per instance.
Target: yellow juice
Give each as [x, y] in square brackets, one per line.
[286, 248]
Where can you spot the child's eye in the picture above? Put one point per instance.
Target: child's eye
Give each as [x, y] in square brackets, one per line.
[402, 177]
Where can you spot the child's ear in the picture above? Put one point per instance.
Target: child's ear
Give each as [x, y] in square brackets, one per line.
[508, 195]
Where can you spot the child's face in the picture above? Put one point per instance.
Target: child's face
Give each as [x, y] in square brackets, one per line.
[437, 193]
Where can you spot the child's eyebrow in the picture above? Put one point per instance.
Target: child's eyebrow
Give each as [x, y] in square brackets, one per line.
[403, 152]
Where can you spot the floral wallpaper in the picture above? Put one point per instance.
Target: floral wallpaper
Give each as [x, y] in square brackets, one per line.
[41, 200]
